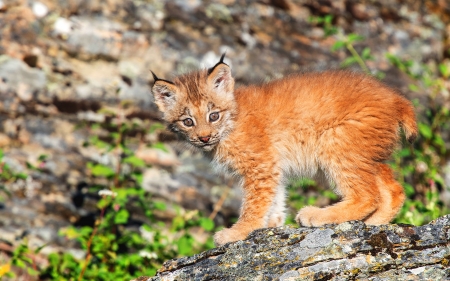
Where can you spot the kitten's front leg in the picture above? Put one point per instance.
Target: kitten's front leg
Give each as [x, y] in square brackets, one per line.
[259, 194]
[231, 234]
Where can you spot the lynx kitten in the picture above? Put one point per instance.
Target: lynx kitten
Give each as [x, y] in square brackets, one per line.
[334, 126]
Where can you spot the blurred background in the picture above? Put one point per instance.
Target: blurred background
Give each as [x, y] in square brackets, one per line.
[92, 185]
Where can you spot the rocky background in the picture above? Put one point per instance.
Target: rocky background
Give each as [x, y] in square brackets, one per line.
[67, 65]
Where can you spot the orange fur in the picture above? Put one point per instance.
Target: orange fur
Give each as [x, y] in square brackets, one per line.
[334, 126]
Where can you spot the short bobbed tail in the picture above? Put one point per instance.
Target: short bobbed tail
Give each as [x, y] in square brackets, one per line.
[407, 119]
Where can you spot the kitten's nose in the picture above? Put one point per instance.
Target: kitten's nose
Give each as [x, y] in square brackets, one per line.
[204, 139]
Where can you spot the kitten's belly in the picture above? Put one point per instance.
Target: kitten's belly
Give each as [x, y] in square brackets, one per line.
[297, 160]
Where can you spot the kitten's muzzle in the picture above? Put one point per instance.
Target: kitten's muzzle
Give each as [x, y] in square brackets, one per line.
[204, 139]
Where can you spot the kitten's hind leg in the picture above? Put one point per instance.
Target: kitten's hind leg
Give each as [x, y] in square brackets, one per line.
[360, 198]
[277, 212]
[392, 197]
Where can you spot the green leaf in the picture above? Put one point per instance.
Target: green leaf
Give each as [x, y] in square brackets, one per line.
[392, 57]
[311, 200]
[207, 224]
[416, 102]
[155, 126]
[338, 45]
[352, 37]
[425, 130]
[409, 189]
[380, 75]
[348, 61]
[315, 20]
[53, 259]
[185, 245]
[43, 157]
[439, 141]
[1, 154]
[22, 176]
[38, 249]
[328, 19]
[404, 152]
[159, 205]
[32, 271]
[102, 171]
[413, 87]
[138, 177]
[445, 71]
[366, 53]
[330, 30]
[95, 126]
[121, 217]
[160, 146]
[150, 271]
[85, 231]
[103, 202]
[135, 161]
[330, 194]
[178, 223]
[19, 263]
[122, 195]
[114, 135]
[98, 143]
[149, 214]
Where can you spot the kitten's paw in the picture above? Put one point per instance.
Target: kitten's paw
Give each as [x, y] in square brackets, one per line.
[276, 220]
[229, 235]
[307, 216]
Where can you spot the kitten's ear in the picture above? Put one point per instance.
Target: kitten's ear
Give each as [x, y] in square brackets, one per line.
[164, 93]
[220, 79]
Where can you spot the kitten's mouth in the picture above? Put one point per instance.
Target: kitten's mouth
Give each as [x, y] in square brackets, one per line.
[209, 145]
[205, 146]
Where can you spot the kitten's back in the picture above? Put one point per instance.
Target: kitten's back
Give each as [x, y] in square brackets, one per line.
[351, 107]
[322, 95]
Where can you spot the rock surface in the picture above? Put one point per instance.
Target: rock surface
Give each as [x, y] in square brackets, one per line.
[348, 251]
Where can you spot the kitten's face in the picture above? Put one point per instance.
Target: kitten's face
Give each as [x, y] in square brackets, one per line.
[199, 106]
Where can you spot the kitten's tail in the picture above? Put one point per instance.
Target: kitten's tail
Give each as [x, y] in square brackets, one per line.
[407, 118]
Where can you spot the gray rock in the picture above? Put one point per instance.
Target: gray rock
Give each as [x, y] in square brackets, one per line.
[99, 38]
[348, 251]
[18, 77]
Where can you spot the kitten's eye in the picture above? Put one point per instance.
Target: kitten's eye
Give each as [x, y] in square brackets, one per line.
[188, 122]
[214, 116]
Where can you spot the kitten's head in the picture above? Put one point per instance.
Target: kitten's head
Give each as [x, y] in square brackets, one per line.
[200, 105]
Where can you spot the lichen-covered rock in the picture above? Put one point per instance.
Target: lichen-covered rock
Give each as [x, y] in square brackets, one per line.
[348, 251]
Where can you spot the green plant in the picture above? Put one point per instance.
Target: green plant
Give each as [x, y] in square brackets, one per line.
[112, 250]
[326, 22]
[347, 41]
[21, 263]
[7, 176]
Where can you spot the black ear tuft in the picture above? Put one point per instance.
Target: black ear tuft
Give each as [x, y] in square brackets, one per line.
[223, 57]
[155, 78]
[220, 62]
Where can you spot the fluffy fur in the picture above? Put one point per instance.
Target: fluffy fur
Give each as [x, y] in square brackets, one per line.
[334, 126]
